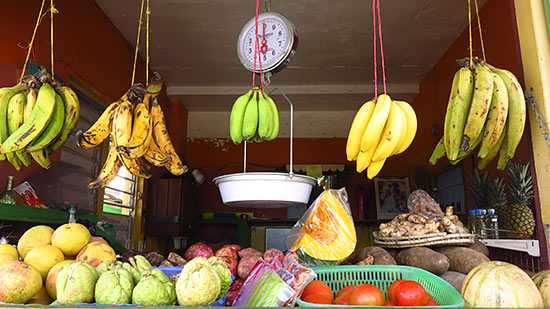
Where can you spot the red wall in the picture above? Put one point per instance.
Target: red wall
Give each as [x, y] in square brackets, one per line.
[214, 159]
[87, 46]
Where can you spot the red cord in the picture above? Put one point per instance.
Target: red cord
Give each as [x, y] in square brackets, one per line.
[374, 48]
[257, 52]
[381, 45]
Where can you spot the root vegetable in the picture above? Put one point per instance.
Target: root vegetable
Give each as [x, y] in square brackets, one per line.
[381, 256]
[424, 258]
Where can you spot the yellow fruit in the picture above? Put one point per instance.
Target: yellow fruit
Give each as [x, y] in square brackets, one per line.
[95, 253]
[36, 236]
[52, 276]
[6, 258]
[40, 298]
[43, 258]
[20, 282]
[70, 238]
[7, 248]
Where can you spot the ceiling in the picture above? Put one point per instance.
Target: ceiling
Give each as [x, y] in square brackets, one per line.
[193, 45]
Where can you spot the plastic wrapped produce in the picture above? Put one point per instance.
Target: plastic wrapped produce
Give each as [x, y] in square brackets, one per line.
[420, 202]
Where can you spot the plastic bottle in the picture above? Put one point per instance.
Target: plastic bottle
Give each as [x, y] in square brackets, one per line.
[492, 224]
[10, 196]
[72, 213]
[472, 221]
[482, 223]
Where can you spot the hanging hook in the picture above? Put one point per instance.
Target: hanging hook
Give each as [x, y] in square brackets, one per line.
[267, 5]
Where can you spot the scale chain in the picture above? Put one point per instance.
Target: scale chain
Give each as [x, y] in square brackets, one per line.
[538, 116]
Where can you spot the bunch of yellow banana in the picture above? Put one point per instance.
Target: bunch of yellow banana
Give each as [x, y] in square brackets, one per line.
[486, 108]
[36, 118]
[380, 129]
[139, 136]
[254, 117]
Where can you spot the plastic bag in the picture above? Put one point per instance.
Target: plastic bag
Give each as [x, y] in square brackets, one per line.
[325, 235]
[420, 202]
[274, 284]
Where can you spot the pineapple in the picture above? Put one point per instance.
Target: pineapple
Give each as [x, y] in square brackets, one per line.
[518, 214]
[497, 199]
[479, 188]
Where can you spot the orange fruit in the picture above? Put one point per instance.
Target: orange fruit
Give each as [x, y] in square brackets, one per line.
[317, 287]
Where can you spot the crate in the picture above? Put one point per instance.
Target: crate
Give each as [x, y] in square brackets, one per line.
[382, 276]
[170, 271]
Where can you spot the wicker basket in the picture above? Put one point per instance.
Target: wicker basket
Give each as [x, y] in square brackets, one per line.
[435, 239]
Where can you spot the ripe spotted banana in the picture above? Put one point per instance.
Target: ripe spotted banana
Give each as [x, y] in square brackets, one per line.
[374, 168]
[503, 156]
[496, 119]
[5, 96]
[264, 117]
[457, 111]
[237, 115]
[37, 122]
[108, 171]
[439, 152]
[274, 120]
[30, 102]
[463, 154]
[72, 113]
[411, 128]
[481, 100]
[154, 156]
[358, 126]
[250, 119]
[41, 157]
[376, 123]
[516, 110]
[53, 129]
[390, 136]
[161, 137]
[122, 124]
[492, 153]
[135, 166]
[142, 131]
[100, 130]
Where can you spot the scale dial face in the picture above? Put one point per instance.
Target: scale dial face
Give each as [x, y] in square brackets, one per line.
[275, 41]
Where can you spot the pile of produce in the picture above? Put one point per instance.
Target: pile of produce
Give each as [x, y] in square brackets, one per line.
[36, 118]
[486, 108]
[139, 135]
[400, 293]
[512, 206]
[381, 128]
[44, 253]
[254, 117]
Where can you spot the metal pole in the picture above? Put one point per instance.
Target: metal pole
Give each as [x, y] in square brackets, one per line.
[291, 172]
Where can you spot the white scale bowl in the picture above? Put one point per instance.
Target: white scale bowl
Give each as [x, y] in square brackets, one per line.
[264, 189]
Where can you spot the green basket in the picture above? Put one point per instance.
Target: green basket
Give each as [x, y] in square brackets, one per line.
[382, 276]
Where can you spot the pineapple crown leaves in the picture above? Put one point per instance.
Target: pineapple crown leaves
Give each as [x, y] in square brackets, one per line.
[520, 184]
[496, 193]
[479, 188]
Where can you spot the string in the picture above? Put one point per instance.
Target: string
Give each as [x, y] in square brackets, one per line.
[257, 52]
[32, 41]
[374, 48]
[480, 34]
[470, 33]
[137, 43]
[381, 45]
[52, 11]
[147, 46]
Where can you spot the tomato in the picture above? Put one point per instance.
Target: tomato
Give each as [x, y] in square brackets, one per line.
[410, 293]
[317, 287]
[318, 299]
[391, 289]
[346, 289]
[367, 295]
[390, 303]
[430, 296]
[342, 299]
[431, 302]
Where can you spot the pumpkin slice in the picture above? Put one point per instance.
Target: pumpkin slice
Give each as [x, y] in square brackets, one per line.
[328, 235]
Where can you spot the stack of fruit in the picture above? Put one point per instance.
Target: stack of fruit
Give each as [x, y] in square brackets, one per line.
[400, 293]
[254, 117]
[381, 128]
[36, 118]
[139, 135]
[487, 108]
[44, 253]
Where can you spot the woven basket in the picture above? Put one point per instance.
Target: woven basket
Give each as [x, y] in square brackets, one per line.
[435, 239]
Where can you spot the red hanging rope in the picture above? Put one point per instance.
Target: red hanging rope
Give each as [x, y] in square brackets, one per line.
[381, 45]
[257, 55]
[374, 48]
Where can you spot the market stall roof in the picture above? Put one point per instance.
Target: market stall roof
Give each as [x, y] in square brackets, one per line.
[193, 45]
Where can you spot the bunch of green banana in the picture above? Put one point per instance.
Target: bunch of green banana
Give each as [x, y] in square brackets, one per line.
[139, 135]
[486, 108]
[36, 118]
[254, 117]
[380, 129]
